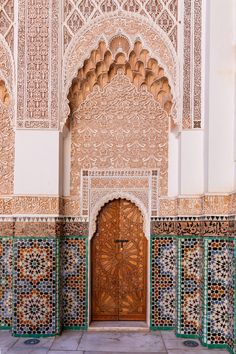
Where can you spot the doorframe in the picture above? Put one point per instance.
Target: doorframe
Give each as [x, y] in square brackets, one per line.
[147, 233]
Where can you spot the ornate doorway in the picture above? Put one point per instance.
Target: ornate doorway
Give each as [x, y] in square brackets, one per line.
[119, 264]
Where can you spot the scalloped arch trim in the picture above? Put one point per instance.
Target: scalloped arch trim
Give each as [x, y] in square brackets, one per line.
[154, 40]
[119, 195]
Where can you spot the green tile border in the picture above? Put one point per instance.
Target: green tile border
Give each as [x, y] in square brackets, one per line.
[150, 279]
[178, 284]
[190, 336]
[205, 294]
[34, 335]
[5, 328]
[77, 328]
[58, 285]
[160, 328]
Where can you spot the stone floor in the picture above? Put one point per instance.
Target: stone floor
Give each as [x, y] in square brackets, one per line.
[93, 342]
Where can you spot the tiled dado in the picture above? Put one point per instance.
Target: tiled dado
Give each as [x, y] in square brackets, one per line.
[196, 256]
[192, 277]
[39, 294]
[202, 270]
[43, 284]
[168, 207]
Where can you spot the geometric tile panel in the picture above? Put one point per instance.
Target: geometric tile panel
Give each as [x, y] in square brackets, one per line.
[74, 282]
[190, 260]
[217, 291]
[35, 276]
[163, 282]
[5, 282]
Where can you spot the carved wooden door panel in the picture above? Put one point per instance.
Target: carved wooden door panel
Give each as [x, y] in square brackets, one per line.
[133, 270]
[119, 263]
[105, 271]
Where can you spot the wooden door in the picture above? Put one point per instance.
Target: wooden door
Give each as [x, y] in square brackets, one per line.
[119, 263]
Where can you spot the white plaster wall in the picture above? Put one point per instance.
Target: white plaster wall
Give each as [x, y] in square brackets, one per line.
[173, 165]
[221, 93]
[192, 162]
[37, 162]
[66, 162]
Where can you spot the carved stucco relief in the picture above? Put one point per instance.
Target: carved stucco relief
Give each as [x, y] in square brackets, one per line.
[168, 207]
[36, 205]
[38, 64]
[232, 204]
[120, 127]
[6, 146]
[217, 204]
[6, 67]
[7, 22]
[83, 25]
[159, 13]
[6, 122]
[198, 205]
[192, 64]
